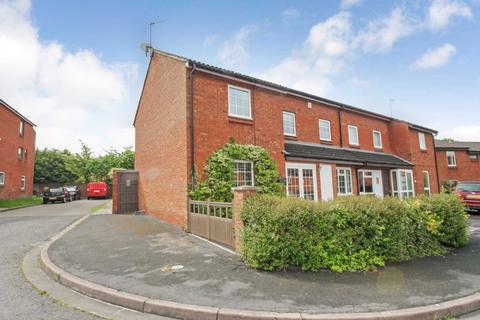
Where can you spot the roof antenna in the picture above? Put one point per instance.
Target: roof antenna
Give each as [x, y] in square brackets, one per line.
[147, 47]
[391, 107]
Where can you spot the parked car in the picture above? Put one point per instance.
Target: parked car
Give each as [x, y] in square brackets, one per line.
[97, 190]
[56, 194]
[469, 192]
[74, 192]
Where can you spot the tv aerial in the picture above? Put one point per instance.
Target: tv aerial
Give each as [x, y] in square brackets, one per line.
[146, 47]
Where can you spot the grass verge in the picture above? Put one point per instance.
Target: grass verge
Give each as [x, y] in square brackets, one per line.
[19, 202]
[99, 207]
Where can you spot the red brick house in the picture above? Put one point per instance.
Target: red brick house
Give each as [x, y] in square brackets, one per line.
[458, 161]
[323, 148]
[17, 153]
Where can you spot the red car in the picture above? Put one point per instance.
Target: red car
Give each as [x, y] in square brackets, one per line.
[97, 190]
[469, 192]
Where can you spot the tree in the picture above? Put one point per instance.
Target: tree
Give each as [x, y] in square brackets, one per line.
[62, 166]
[50, 166]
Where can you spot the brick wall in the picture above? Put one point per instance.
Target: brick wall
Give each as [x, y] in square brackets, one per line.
[465, 170]
[10, 140]
[214, 128]
[161, 141]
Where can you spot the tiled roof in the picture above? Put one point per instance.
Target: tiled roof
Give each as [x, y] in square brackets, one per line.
[470, 146]
[336, 154]
[287, 90]
[6, 105]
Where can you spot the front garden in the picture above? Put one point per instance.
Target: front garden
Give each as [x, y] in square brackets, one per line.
[351, 233]
[355, 233]
[19, 202]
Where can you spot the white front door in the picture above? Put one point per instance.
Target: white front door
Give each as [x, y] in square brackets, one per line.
[370, 182]
[301, 180]
[326, 182]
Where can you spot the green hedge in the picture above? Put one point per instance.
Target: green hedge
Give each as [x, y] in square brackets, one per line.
[349, 233]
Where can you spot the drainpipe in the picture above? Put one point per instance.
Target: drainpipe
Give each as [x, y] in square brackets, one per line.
[340, 125]
[436, 162]
[192, 141]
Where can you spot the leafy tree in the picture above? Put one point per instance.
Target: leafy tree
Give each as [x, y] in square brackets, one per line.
[50, 166]
[62, 166]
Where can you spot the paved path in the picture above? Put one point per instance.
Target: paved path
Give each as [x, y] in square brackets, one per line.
[136, 253]
[20, 231]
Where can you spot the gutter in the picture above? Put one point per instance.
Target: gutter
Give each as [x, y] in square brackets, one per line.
[191, 124]
[436, 163]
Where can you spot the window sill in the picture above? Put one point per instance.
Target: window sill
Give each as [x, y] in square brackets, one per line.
[290, 137]
[452, 167]
[240, 120]
[330, 142]
[355, 146]
[423, 150]
[379, 149]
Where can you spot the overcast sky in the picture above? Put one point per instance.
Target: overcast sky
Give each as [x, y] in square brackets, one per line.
[76, 68]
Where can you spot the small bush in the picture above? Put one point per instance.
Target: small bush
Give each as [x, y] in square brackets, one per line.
[349, 233]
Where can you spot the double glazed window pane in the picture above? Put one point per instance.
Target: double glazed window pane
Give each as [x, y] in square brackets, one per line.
[239, 102]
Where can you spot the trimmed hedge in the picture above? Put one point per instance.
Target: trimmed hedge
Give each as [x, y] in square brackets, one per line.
[349, 233]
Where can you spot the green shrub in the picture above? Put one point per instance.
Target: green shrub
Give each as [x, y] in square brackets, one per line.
[349, 233]
[447, 213]
[219, 180]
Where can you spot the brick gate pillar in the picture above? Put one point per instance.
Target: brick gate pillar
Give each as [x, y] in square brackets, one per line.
[240, 194]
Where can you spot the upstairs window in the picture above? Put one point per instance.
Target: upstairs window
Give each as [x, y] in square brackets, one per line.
[22, 127]
[289, 124]
[20, 153]
[239, 103]
[2, 178]
[243, 173]
[325, 130]
[421, 140]
[451, 160]
[473, 156]
[353, 135]
[377, 139]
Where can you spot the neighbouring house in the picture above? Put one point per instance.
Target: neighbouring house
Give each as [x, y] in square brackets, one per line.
[323, 148]
[458, 160]
[17, 153]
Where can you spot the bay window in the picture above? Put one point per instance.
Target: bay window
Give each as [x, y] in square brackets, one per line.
[402, 183]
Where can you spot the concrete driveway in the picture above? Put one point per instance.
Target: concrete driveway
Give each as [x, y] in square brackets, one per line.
[136, 254]
[20, 231]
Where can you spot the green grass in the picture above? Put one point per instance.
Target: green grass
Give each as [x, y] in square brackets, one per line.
[99, 207]
[19, 202]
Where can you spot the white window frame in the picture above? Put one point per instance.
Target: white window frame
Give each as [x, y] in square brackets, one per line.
[399, 190]
[2, 180]
[287, 113]
[422, 141]
[20, 153]
[230, 114]
[320, 121]
[473, 157]
[23, 183]
[253, 171]
[380, 146]
[300, 167]
[370, 175]
[454, 157]
[427, 190]
[347, 193]
[22, 127]
[357, 143]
